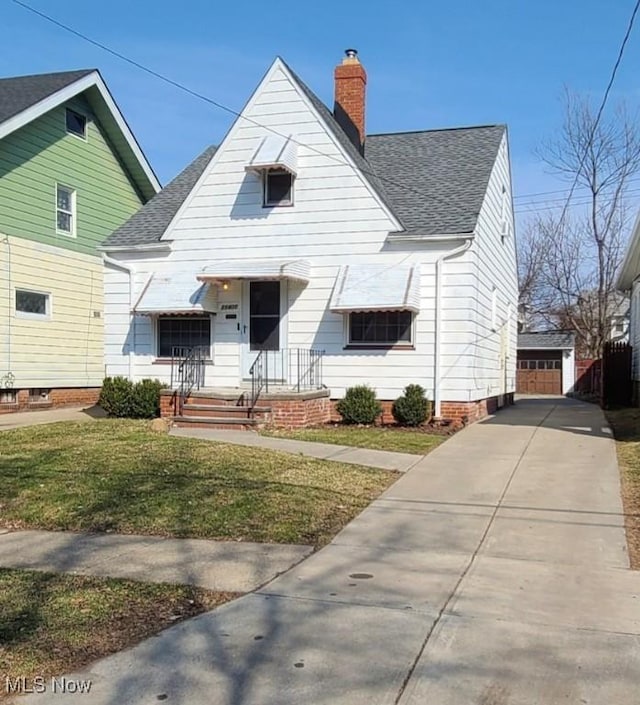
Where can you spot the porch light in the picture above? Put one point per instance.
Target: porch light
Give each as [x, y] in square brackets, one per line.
[225, 286]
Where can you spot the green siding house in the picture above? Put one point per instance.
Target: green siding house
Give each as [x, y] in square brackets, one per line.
[71, 172]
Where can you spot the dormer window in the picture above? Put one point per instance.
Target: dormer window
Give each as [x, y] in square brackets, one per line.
[275, 161]
[278, 188]
[76, 124]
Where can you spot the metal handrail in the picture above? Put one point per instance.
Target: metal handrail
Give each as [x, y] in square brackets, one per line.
[187, 371]
[296, 368]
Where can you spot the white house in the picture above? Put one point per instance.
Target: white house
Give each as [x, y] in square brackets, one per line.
[303, 254]
[629, 284]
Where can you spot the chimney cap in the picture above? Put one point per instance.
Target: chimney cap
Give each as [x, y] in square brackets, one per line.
[351, 53]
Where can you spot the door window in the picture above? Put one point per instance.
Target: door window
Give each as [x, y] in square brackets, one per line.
[264, 315]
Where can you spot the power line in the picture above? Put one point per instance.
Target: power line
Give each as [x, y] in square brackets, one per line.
[523, 210]
[596, 122]
[562, 190]
[213, 102]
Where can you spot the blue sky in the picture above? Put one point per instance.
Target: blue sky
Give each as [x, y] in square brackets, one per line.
[429, 64]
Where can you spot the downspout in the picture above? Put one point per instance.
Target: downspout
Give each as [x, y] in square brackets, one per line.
[127, 268]
[7, 379]
[437, 397]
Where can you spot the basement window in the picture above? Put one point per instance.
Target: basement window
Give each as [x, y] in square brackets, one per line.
[76, 124]
[8, 396]
[278, 188]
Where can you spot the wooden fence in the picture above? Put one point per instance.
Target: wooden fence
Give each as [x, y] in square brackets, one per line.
[617, 386]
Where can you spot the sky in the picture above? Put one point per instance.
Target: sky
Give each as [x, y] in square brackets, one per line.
[429, 65]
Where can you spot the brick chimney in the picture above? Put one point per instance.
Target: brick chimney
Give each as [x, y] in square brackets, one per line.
[348, 109]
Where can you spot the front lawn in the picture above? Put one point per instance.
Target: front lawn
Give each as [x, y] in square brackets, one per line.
[625, 424]
[118, 475]
[402, 440]
[50, 624]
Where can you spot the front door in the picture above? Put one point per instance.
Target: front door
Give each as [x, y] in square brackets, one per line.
[262, 330]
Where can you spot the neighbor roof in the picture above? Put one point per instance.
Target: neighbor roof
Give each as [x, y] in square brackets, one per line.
[150, 222]
[24, 99]
[555, 339]
[21, 92]
[433, 182]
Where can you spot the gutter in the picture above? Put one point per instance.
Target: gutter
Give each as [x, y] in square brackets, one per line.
[437, 396]
[445, 237]
[163, 246]
[131, 271]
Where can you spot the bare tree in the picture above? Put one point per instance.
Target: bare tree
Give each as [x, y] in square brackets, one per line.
[582, 249]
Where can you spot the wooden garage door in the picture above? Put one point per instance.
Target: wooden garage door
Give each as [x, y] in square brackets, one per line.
[539, 377]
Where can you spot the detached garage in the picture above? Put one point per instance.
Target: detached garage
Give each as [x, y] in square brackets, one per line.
[546, 363]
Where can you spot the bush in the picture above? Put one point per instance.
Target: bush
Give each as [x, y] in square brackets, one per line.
[122, 398]
[115, 396]
[359, 405]
[412, 408]
[145, 401]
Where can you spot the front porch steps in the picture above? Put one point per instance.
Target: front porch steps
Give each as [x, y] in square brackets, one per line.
[227, 408]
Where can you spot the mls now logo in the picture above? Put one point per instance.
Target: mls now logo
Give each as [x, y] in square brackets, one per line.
[23, 685]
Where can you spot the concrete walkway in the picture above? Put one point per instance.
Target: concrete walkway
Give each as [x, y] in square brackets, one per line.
[229, 566]
[383, 459]
[492, 573]
[37, 418]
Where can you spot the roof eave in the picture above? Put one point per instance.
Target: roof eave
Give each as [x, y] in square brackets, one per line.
[439, 237]
[160, 246]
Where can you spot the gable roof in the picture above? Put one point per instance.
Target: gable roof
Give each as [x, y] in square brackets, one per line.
[150, 222]
[553, 340]
[25, 98]
[21, 92]
[433, 182]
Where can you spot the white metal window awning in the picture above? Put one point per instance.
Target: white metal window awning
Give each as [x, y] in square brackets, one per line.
[297, 270]
[176, 293]
[275, 152]
[376, 287]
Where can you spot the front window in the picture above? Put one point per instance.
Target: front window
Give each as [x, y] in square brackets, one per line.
[278, 188]
[65, 210]
[380, 328]
[32, 304]
[183, 332]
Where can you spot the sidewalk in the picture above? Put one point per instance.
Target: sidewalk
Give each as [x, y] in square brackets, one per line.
[493, 572]
[382, 459]
[36, 418]
[228, 566]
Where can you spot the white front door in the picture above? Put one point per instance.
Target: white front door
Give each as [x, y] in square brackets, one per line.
[263, 304]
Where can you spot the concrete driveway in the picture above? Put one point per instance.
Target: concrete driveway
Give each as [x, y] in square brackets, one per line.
[493, 573]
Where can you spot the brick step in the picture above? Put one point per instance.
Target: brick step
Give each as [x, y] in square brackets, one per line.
[223, 409]
[218, 422]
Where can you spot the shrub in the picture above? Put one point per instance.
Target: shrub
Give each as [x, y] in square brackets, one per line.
[359, 405]
[115, 396]
[145, 400]
[412, 408]
[122, 398]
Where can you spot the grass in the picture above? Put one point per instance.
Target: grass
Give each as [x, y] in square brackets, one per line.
[50, 624]
[402, 440]
[118, 475]
[625, 424]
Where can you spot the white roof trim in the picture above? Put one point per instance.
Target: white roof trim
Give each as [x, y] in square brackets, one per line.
[275, 152]
[297, 270]
[630, 269]
[175, 293]
[376, 287]
[91, 80]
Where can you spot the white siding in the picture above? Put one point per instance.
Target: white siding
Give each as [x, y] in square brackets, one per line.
[568, 370]
[117, 322]
[490, 357]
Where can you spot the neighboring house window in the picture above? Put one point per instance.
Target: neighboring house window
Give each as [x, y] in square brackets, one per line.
[278, 188]
[65, 210]
[183, 332]
[32, 304]
[380, 328]
[76, 124]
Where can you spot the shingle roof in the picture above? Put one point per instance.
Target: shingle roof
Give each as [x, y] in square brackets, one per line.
[150, 222]
[434, 182]
[547, 339]
[19, 93]
[437, 179]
